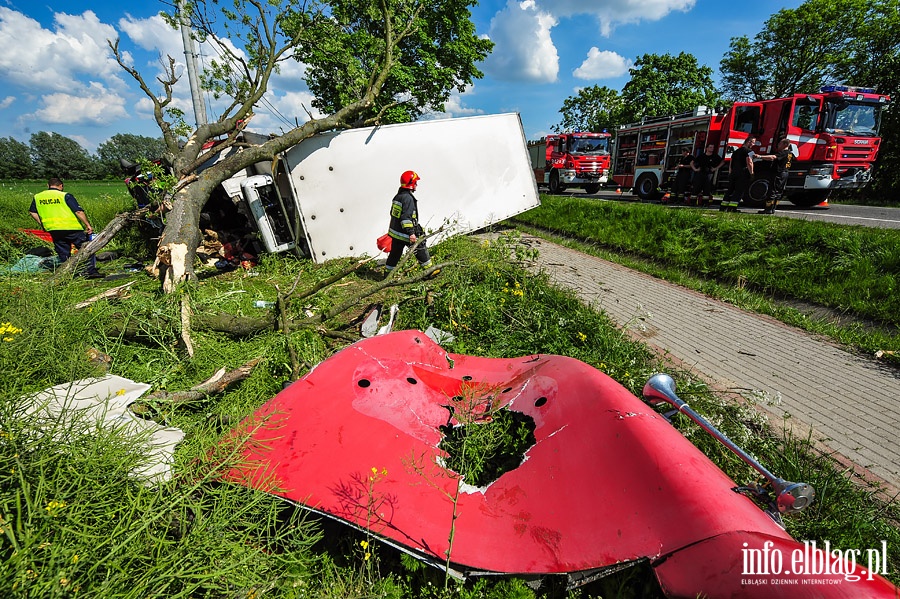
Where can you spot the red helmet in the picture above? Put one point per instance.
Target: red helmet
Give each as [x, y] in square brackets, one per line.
[409, 179]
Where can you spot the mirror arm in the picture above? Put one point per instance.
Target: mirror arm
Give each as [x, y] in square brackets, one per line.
[790, 497]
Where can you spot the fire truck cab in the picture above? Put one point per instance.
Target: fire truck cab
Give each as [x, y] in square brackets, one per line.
[579, 159]
[834, 133]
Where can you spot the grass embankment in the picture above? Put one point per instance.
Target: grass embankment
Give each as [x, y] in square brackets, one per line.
[75, 524]
[757, 263]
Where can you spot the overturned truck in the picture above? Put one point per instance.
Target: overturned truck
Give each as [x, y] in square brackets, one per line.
[328, 197]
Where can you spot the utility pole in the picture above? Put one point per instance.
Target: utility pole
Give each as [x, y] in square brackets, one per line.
[190, 55]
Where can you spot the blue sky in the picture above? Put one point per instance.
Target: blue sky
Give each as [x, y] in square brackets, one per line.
[58, 75]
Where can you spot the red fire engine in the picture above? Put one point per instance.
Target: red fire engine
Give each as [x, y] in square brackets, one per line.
[578, 159]
[834, 133]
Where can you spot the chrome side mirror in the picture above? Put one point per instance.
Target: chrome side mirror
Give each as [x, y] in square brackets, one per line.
[790, 497]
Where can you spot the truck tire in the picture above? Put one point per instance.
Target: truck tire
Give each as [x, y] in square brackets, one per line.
[757, 193]
[808, 198]
[647, 187]
[592, 188]
[555, 185]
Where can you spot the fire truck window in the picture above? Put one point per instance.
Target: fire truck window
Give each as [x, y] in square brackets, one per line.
[803, 117]
[746, 118]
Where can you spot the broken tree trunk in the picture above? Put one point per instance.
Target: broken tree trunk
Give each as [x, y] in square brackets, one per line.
[181, 236]
[100, 240]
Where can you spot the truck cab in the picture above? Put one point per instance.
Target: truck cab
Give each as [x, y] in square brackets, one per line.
[835, 133]
[579, 159]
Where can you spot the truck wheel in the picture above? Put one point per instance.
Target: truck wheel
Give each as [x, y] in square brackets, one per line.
[647, 187]
[555, 185]
[592, 188]
[757, 193]
[806, 199]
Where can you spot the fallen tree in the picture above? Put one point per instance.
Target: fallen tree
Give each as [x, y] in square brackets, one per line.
[368, 62]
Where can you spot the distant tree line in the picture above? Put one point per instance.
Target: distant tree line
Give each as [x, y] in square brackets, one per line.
[798, 50]
[53, 155]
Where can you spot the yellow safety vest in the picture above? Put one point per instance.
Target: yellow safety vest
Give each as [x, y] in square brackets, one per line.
[54, 212]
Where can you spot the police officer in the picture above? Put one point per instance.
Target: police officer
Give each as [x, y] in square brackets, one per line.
[404, 227]
[59, 213]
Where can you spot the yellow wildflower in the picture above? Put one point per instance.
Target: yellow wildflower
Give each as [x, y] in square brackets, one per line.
[54, 506]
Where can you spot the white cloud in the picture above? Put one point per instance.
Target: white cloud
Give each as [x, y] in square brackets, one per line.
[455, 106]
[270, 115]
[153, 34]
[291, 76]
[602, 64]
[610, 13]
[94, 106]
[43, 60]
[524, 50]
[7, 102]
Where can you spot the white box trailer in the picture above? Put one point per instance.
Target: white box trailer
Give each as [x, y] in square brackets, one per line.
[335, 189]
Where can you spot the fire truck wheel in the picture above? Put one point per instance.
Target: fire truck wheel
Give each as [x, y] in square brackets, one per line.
[647, 187]
[806, 199]
[592, 188]
[756, 195]
[555, 185]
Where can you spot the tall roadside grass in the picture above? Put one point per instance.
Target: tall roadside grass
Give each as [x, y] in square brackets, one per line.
[101, 200]
[757, 263]
[73, 522]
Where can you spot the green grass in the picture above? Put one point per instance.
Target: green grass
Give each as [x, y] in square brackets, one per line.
[75, 524]
[761, 264]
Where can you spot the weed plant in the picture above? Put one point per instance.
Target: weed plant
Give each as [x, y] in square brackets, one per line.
[74, 523]
[756, 263]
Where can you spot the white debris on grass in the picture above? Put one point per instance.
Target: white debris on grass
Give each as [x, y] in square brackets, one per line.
[103, 402]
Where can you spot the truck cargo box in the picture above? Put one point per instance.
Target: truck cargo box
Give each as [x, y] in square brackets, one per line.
[475, 172]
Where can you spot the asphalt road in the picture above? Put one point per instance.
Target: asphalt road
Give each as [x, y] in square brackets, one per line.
[844, 214]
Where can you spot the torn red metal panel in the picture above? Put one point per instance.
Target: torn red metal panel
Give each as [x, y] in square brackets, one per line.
[608, 480]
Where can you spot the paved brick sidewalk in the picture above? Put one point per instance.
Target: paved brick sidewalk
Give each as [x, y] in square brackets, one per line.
[851, 403]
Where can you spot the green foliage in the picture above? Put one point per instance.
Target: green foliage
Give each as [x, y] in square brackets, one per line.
[489, 441]
[129, 147]
[15, 159]
[56, 155]
[797, 51]
[438, 54]
[663, 84]
[593, 108]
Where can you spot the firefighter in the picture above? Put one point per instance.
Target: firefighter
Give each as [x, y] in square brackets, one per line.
[683, 177]
[705, 166]
[740, 177]
[781, 159]
[404, 227]
[59, 213]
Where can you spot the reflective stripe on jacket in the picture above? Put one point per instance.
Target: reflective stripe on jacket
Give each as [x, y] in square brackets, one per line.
[54, 212]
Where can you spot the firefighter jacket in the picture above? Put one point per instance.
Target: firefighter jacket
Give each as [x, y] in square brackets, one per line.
[55, 212]
[404, 216]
